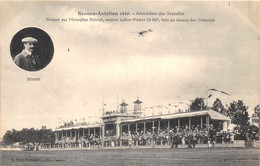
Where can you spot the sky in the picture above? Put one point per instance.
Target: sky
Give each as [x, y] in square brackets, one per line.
[108, 62]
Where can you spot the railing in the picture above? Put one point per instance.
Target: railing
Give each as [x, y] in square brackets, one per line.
[140, 142]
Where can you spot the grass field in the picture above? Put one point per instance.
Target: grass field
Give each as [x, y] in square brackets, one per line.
[130, 157]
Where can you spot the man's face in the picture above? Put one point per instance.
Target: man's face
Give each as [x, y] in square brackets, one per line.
[29, 46]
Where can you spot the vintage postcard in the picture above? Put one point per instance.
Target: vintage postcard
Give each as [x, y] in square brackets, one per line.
[125, 82]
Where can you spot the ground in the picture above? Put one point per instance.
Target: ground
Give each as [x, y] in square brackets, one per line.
[131, 157]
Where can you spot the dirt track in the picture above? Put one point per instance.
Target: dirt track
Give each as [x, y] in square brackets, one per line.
[129, 157]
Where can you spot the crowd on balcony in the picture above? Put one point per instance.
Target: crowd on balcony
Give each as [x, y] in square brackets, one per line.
[75, 123]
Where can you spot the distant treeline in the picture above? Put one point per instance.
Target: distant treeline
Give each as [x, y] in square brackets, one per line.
[29, 135]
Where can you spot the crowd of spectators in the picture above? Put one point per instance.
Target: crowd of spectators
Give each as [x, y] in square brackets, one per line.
[174, 137]
[81, 142]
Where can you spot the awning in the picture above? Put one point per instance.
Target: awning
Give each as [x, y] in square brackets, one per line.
[184, 115]
[217, 116]
[213, 115]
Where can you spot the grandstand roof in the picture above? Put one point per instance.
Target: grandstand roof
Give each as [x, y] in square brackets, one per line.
[213, 115]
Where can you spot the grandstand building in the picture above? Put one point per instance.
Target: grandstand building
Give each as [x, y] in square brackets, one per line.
[120, 123]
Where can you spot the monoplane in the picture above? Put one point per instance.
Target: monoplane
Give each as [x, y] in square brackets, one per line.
[141, 33]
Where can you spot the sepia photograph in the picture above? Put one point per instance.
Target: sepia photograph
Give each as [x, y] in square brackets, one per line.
[34, 47]
[129, 83]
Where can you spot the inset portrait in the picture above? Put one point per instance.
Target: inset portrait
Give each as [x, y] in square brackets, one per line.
[31, 49]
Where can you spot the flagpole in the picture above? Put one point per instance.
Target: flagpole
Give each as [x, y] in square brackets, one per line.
[117, 103]
[201, 103]
[206, 97]
[101, 112]
[103, 106]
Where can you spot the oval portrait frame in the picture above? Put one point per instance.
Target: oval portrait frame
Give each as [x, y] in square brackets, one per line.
[43, 50]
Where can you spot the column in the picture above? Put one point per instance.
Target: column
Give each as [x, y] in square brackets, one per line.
[83, 133]
[201, 122]
[88, 132]
[56, 137]
[117, 130]
[159, 125]
[62, 138]
[225, 126]
[70, 134]
[121, 131]
[94, 132]
[153, 127]
[189, 123]
[169, 124]
[100, 132]
[179, 123]
[65, 146]
[58, 134]
[128, 128]
[103, 132]
[207, 122]
[144, 126]
[136, 127]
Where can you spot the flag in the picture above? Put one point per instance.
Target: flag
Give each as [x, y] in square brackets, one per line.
[220, 91]
[214, 90]
[209, 95]
[225, 93]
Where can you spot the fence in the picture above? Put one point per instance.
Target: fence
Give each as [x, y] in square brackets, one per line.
[141, 143]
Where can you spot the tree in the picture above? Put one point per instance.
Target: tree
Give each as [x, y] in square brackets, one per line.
[218, 106]
[46, 136]
[198, 104]
[256, 115]
[29, 135]
[7, 138]
[237, 111]
[250, 132]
